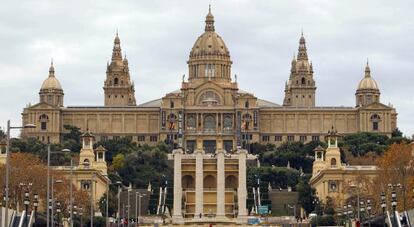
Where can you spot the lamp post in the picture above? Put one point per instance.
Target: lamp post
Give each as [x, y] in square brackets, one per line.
[52, 206]
[369, 212]
[139, 195]
[49, 152]
[75, 211]
[383, 206]
[81, 215]
[58, 210]
[35, 205]
[26, 204]
[118, 183]
[350, 213]
[6, 219]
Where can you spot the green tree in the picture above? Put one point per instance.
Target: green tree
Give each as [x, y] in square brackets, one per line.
[306, 195]
[118, 162]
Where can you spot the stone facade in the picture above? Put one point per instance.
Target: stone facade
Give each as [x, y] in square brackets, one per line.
[91, 173]
[209, 106]
[210, 187]
[332, 178]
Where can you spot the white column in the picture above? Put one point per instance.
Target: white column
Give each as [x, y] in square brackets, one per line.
[199, 184]
[177, 206]
[242, 191]
[220, 184]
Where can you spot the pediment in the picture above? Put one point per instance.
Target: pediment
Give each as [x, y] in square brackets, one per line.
[375, 106]
[208, 85]
[42, 105]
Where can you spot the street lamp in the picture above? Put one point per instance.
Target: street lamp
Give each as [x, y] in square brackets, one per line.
[383, 206]
[6, 219]
[369, 211]
[35, 204]
[26, 204]
[80, 215]
[49, 152]
[52, 205]
[140, 195]
[118, 215]
[58, 210]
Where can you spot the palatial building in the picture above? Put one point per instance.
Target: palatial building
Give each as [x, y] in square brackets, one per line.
[209, 105]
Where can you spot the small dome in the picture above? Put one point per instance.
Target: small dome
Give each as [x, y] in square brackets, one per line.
[51, 82]
[368, 82]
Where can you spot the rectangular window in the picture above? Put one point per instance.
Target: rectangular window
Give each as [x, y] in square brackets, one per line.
[43, 126]
[141, 138]
[291, 138]
[315, 138]
[302, 138]
[128, 137]
[116, 138]
[375, 126]
[153, 138]
[278, 138]
[265, 138]
[104, 138]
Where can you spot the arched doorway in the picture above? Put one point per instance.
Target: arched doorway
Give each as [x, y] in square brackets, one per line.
[210, 182]
[187, 182]
[231, 182]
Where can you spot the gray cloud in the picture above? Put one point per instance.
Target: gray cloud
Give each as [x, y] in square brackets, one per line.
[158, 35]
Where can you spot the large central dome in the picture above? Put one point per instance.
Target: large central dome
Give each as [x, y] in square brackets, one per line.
[209, 57]
[209, 43]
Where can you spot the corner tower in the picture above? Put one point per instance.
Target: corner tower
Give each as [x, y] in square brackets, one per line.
[209, 57]
[368, 91]
[118, 89]
[51, 91]
[300, 88]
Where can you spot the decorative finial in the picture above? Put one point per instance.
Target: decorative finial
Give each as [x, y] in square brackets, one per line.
[301, 31]
[117, 32]
[367, 70]
[209, 20]
[183, 77]
[235, 76]
[51, 69]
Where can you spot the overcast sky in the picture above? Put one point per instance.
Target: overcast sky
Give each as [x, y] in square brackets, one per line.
[157, 37]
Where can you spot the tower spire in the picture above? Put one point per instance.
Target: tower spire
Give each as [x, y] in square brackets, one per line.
[209, 20]
[367, 70]
[116, 51]
[51, 69]
[302, 52]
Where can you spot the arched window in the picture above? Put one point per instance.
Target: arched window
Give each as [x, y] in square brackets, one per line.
[333, 162]
[228, 122]
[43, 119]
[171, 104]
[210, 182]
[116, 81]
[209, 98]
[187, 182]
[191, 122]
[246, 104]
[303, 81]
[375, 119]
[209, 123]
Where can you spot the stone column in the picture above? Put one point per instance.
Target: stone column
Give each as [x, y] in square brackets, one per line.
[220, 184]
[242, 190]
[199, 188]
[178, 192]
